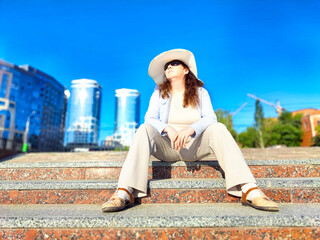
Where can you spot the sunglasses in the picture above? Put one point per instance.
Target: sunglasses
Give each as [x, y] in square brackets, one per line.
[172, 63]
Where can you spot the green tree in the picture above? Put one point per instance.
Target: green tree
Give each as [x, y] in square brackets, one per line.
[269, 136]
[316, 139]
[247, 138]
[288, 130]
[259, 125]
[225, 117]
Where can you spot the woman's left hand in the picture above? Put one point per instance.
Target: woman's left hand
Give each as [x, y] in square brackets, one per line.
[182, 137]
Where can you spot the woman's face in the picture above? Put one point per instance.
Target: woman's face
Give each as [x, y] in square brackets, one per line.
[174, 71]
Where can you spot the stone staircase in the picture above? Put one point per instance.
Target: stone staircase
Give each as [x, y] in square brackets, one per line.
[58, 196]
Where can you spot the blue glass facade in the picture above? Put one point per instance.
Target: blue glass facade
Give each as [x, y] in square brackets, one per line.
[26, 92]
[84, 113]
[127, 118]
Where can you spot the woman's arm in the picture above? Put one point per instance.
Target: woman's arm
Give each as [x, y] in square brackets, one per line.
[152, 116]
[207, 114]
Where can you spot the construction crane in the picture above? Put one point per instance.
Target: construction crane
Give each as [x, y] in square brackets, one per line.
[277, 106]
[236, 111]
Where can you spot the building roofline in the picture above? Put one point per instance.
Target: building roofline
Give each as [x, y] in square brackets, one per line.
[85, 81]
[24, 68]
[127, 92]
[305, 109]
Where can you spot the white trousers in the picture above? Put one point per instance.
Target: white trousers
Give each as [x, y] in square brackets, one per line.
[215, 139]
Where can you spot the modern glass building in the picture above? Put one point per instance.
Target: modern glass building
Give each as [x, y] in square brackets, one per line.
[28, 95]
[84, 114]
[127, 118]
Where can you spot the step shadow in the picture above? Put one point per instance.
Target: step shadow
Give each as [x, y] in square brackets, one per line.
[163, 170]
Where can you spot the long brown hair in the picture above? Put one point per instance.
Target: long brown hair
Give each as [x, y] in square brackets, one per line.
[191, 96]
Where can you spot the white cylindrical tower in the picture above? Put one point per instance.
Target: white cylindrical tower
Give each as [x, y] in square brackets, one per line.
[84, 113]
[127, 118]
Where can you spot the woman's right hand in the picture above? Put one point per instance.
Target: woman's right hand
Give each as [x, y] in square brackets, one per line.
[172, 133]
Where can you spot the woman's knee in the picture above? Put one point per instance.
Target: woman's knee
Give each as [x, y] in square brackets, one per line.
[217, 126]
[146, 128]
[217, 130]
[144, 131]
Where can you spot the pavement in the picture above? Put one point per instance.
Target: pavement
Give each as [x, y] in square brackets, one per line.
[157, 216]
[283, 153]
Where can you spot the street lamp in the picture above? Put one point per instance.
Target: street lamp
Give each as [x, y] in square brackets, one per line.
[25, 135]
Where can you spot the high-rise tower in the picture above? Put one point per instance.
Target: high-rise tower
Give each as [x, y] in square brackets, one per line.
[127, 118]
[32, 109]
[83, 117]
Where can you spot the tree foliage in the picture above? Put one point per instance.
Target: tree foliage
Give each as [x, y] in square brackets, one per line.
[259, 125]
[268, 137]
[247, 138]
[225, 117]
[286, 130]
[316, 139]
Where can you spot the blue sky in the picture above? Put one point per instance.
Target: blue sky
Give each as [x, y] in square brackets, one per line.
[267, 48]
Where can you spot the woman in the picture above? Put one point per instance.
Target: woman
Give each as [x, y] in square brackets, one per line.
[180, 124]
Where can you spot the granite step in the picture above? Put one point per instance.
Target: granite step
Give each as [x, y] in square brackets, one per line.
[282, 153]
[160, 221]
[91, 170]
[286, 190]
[59, 195]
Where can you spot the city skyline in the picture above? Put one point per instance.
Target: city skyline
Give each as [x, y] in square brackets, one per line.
[269, 49]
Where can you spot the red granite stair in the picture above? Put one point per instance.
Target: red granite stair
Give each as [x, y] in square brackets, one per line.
[159, 172]
[110, 170]
[289, 176]
[161, 191]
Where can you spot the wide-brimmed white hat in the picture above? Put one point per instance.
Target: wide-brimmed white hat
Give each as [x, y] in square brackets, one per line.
[156, 66]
